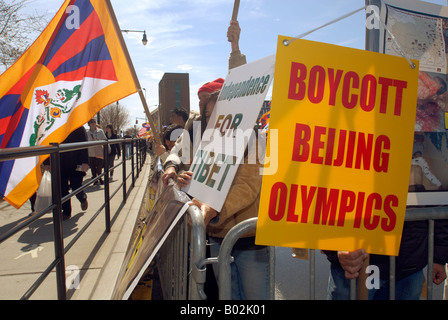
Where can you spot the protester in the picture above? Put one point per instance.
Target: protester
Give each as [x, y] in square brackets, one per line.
[173, 162]
[412, 256]
[250, 270]
[411, 260]
[128, 145]
[169, 138]
[96, 155]
[179, 116]
[115, 149]
[74, 165]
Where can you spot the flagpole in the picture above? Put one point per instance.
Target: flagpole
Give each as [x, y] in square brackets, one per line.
[134, 74]
[236, 7]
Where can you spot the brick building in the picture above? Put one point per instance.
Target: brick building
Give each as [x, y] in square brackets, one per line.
[174, 92]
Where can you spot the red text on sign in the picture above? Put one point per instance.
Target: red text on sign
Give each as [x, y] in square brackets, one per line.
[332, 207]
[334, 147]
[353, 88]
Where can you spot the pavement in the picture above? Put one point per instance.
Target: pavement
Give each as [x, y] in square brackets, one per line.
[92, 263]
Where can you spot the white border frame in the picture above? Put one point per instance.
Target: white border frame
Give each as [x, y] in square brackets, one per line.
[434, 197]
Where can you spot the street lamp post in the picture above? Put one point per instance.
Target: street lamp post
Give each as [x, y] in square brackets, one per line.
[144, 39]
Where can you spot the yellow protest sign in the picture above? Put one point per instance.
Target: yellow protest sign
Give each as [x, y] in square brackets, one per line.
[345, 123]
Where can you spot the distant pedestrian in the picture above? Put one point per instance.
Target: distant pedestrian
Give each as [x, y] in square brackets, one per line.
[96, 155]
[128, 146]
[115, 149]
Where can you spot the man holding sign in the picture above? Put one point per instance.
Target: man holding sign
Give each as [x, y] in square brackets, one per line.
[225, 177]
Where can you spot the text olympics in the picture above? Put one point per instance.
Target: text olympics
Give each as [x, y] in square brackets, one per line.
[332, 207]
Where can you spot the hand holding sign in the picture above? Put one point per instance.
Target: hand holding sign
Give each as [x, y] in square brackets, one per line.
[184, 178]
[352, 262]
[207, 212]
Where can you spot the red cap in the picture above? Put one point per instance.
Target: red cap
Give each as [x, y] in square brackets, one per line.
[213, 86]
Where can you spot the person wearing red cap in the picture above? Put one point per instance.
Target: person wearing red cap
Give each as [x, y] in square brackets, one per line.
[207, 89]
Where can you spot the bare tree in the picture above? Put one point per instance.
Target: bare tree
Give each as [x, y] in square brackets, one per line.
[115, 114]
[17, 30]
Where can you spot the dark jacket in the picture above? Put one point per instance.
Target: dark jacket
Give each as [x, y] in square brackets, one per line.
[114, 148]
[77, 157]
[413, 254]
[70, 160]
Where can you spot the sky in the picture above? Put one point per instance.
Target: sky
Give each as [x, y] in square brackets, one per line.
[190, 35]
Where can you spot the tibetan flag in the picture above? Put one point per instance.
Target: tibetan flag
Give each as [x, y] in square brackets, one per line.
[264, 119]
[144, 132]
[76, 67]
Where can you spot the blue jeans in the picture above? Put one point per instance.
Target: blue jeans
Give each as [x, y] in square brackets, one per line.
[408, 288]
[249, 272]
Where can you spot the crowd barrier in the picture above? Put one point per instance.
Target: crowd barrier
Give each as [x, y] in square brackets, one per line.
[181, 254]
[175, 250]
[179, 261]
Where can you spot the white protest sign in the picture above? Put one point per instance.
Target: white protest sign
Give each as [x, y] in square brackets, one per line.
[223, 144]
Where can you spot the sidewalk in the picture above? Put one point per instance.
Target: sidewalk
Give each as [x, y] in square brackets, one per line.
[94, 261]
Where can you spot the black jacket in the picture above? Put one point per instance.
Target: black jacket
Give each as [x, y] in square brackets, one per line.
[70, 160]
[114, 148]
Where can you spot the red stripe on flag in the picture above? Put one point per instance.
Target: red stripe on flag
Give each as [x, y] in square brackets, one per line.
[20, 85]
[3, 125]
[11, 126]
[89, 30]
[55, 32]
[98, 69]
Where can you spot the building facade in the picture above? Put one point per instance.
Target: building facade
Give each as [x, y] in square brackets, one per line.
[174, 92]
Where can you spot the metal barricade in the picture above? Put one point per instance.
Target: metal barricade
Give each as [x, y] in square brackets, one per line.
[197, 255]
[225, 259]
[180, 259]
[172, 262]
[415, 214]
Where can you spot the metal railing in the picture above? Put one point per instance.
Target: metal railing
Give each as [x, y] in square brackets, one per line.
[182, 259]
[54, 150]
[179, 262]
[413, 214]
[225, 259]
